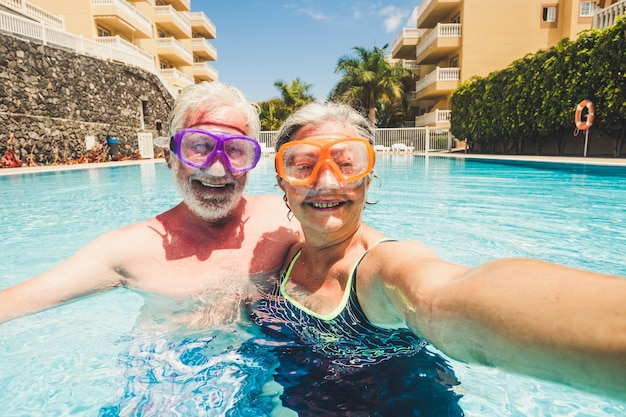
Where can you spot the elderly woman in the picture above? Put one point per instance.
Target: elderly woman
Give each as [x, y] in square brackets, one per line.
[358, 297]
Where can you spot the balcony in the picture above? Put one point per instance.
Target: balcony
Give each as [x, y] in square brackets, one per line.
[202, 49]
[172, 21]
[180, 5]
[411, 64]
[439, 83]
[403, 46]
[431, 12]
[438, 43]
[174, 52]
[201, 25]
[124, 51]
[33, 11]
[176, 78]
[436, 118]
[122, 17]
[204, 72]
[603, 18]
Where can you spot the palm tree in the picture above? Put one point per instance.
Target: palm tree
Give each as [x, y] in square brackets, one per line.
[272, 113]
[293, 96]
[296, 94]
[368, 78]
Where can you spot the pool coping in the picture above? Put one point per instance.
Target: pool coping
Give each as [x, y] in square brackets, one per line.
[95, 165]
[458, 155]
[608, 161]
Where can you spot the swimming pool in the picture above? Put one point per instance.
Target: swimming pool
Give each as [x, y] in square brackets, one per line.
[64, 361]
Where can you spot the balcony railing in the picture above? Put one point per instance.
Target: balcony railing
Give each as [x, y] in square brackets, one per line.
[407, 33]
[204, 71]
[410, 64]
[176, 77]
[172, 48]
[439, 74]
[28, 9]
[48, 35]
[140, 57]
[442, 30]
[203, 48]
[200, 21]
[170, 19]
[439, 118]
[603, 18]
[125, 7]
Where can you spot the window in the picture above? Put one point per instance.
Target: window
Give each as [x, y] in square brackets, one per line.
[456, 19]
[454, 62]
[586, 9]
[549, 14]
[143, 113]
[103, 32]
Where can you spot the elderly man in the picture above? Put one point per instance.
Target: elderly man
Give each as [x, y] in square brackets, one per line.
[202, 257]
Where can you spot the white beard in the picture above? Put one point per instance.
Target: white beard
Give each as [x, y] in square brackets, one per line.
[208, 207]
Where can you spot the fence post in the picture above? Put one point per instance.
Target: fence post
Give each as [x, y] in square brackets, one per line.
[43, 33]
[427, 140]
[449, 141]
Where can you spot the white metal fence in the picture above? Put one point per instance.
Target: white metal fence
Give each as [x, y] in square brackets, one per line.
[27, 28]
[415, 139]
[29, 9]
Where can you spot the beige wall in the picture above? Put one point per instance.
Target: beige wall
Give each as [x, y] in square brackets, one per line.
[496, 32]
[77, 14]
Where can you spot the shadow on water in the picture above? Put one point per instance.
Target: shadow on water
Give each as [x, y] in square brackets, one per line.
[417, 385]
[587, 169]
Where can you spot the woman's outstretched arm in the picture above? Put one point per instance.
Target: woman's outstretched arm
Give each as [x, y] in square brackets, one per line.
[527, 316]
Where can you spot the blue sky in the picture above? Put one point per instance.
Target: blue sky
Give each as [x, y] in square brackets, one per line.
[261, 41]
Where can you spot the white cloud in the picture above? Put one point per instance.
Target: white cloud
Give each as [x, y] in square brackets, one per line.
[411, 22]
[317, 15]
[393, 17]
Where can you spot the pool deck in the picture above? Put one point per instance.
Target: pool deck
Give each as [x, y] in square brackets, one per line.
[537, 158]
[459, 155]
[95, 165]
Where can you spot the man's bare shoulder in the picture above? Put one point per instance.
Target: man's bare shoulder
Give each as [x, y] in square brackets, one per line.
[270, 209]
[133, 238]
[272, 201]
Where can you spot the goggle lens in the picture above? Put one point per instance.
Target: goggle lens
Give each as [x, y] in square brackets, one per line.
[197, 148]
[350, 159]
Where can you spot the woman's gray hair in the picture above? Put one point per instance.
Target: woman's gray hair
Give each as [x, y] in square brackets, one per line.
[316, 113]
[205, 96]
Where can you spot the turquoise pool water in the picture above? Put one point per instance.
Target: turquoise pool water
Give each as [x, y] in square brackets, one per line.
[64, 361]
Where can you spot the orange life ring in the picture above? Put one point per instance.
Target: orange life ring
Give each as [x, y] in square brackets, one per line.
[580, 125]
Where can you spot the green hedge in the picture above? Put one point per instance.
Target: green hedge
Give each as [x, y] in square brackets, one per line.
[534, 99]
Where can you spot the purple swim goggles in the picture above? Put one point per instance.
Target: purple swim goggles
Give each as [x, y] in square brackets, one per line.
[198, 148]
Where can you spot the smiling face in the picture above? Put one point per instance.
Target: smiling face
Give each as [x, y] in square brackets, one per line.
[328, 205]
[212, 193]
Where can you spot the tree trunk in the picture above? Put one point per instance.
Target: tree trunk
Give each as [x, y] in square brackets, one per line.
[372, 116]
[619, 144]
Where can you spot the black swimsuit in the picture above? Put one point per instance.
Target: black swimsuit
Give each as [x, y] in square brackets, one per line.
[340, 364]
[345, 333]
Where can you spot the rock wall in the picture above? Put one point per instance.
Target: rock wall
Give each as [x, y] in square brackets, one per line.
[55, 102]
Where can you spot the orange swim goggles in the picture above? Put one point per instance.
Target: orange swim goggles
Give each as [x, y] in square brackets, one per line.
[300, 161]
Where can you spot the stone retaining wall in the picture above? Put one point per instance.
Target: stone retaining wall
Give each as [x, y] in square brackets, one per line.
[52, 100]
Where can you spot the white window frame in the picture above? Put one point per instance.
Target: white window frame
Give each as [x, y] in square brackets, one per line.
[586, 9]
[103, 32]
[548, 14]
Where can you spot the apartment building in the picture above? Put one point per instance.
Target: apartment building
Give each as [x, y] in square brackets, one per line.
[455, 40]
[165, 32]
